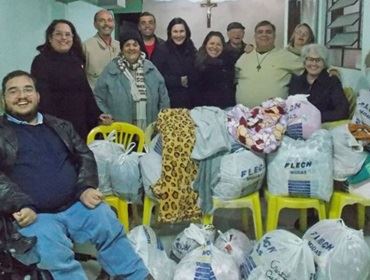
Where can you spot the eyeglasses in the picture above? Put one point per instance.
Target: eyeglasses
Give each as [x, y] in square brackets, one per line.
[61, 34]
[314, 59]
[15, 92]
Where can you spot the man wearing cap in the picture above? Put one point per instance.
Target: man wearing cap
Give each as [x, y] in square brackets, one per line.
[102, 48]
[235, 33]
[264, 72]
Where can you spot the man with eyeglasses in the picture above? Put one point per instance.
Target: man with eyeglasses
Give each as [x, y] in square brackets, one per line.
[265, 72]
[48, 181]
[100, 49]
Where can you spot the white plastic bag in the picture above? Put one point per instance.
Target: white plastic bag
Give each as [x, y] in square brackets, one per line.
[192, 237]
[105, 151]
[207, 263]
[302, 167]
[125, 175]
[149, 247]
[303, 117]
[349, 154]
[241, 173]
[151, 165]
[340, 252]
[362, 112]
[280, 255]
[234, 243]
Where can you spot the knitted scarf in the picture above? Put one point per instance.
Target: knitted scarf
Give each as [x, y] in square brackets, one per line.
[134, 72]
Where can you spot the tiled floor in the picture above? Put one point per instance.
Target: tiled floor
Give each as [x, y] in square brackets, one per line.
[224, 220]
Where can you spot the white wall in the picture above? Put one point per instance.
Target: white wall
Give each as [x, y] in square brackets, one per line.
[249, 13]
[81, 14]
[23, 24]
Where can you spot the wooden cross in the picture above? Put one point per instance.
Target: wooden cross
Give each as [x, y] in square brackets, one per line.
[209, 5]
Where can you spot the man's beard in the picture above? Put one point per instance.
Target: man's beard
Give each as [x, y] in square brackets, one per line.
[28, 117]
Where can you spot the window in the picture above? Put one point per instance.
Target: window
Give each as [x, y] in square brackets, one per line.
[343, 32]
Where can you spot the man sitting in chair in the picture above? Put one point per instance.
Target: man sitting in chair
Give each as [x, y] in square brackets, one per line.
[48, 181]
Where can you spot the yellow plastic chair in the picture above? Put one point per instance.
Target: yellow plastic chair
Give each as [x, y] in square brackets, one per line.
[275, 203]
[148, 209]
[125, 134]
[340, 199]
[251, 201]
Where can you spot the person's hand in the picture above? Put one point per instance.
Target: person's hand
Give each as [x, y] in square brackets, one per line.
[184, 81]
[91, 197]
[334, 72]
[105, 119]
[25, 216]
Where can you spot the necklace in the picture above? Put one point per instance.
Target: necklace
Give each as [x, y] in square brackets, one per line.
[259, 65]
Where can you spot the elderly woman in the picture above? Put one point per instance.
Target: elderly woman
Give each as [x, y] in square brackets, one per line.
[61, 79]
[215, 70]
[325, 92]
[131, 88]
[302, 35]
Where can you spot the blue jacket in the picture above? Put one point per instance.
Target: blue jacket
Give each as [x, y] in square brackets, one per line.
[113, 93]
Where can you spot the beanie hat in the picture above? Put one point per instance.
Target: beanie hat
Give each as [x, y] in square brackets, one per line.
[130, 35]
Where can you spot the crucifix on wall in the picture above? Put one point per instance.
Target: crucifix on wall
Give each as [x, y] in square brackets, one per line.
[209, 5]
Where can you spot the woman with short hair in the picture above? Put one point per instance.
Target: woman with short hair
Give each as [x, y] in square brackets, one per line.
[324, 91]
[302, 35]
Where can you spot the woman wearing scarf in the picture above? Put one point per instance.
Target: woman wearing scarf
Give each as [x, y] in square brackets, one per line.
[131, 88]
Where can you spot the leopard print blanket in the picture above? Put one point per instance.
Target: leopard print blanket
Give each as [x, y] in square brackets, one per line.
[177, 200]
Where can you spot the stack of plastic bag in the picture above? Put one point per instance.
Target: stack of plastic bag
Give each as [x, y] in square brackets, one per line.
[150, 250]
[280, 255]
[234, 243]
[105, 152]
[241, 173]
[118, 168]
[207, 263]
[302, 167]
[340, 252]
[303, 117]
[192, 237]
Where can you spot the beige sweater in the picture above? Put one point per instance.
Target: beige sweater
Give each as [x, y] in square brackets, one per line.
[272, 79]
[98, 54]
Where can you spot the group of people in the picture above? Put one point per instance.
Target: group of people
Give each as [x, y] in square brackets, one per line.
[48, 176]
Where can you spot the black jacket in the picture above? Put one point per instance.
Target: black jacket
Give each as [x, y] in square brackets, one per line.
[12, 199]
[157, 52]
[64, 89]
[326, 93]
[173, 63]
[216, 81]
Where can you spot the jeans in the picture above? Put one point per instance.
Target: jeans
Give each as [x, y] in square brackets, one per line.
[56, 233]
